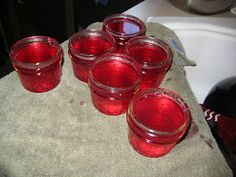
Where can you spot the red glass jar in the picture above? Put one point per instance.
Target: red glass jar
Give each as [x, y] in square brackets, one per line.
[37, 60]
[113, 80]
[155, 57]
[157, 120]
[123, 27]
[85, 46]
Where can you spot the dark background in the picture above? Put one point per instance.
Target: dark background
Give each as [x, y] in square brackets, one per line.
[55, 18]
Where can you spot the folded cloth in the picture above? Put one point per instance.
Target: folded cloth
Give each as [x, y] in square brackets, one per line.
[60, 133]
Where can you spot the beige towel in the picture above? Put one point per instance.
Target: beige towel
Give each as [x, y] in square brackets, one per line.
[59, 133]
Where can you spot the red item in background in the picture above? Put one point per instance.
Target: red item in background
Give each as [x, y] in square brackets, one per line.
[220, 110]
[224, 130]
[37, 60]
[224, 126]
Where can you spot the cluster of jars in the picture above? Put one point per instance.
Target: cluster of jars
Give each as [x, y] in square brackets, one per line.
[123, 68]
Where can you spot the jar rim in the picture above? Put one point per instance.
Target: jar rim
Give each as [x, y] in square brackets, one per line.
[179, 100]
[32, 39]
[115, 56]
[153, 41]
[124, 16]
[86, 33]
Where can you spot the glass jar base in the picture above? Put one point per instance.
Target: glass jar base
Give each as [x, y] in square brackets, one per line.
[41, 89]
[81, 69]
[41, 83]
[107, 106]
[148, 149]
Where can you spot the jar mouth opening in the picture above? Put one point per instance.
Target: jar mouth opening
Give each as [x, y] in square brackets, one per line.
[151, 41]
[21, 44]
[116, 57]
[86, 33]
[178, 100]
[126, 17]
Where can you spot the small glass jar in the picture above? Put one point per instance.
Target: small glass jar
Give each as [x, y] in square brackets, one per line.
[155, 57]
[37, 60]
[157, 120]
[85, 46]
[123, 27]
[113, 80]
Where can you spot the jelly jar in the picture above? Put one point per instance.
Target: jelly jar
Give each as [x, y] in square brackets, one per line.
[157, 120]
[155, 57]
[37, 60]
[123, 27]
[113, 80]
[85, 46]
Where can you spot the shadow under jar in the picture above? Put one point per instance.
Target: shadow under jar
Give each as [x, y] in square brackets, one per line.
[85, 46]
[123, 27]
[157, 120]
[37, 60]
[113, 80]
[154, 56]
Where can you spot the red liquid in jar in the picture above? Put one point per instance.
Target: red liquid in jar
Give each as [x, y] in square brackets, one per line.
[150, 57]
[43, 76]
[114, 73]
[162, 114]
[118, 76]
[88, 49]
[91, 45]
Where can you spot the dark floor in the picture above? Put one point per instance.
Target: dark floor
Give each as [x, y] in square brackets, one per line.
[5, 67]
[5, 64]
